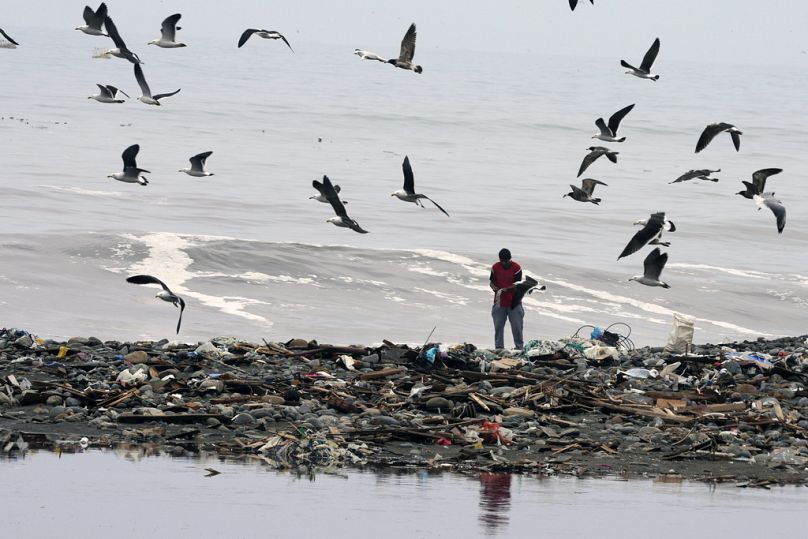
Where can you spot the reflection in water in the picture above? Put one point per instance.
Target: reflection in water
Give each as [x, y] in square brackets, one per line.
[495, 500]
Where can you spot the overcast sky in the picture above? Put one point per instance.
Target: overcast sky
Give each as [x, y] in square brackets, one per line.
[738, 31]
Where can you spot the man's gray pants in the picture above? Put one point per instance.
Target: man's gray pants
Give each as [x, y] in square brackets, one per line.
[516, 316]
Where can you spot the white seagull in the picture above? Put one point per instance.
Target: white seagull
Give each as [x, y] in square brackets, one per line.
[652, 268]
[94, 20]
[168, 33]
[649, 234]
[592, 156]
[644, 71]
[131, 173]
[120, 50]
[767, 200]
[108, 94]
[609, 133]
[8, 43]
[327, 190]
[165, 294]
[147, 96]
[407, 52]
[584, 193]
[321, 197]
[367, 55]
[197, 168]
[266, 34]
[712, 130]
[408, 194]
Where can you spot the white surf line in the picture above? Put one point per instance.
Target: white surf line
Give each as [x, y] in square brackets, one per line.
[82, 191]
[168, 259]
[451, 298]
[751, 274]
[652, 308]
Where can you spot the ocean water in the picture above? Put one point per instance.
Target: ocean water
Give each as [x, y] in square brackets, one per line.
[496, 142]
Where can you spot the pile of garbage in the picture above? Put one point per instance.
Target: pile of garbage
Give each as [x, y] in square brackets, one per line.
[574, 405]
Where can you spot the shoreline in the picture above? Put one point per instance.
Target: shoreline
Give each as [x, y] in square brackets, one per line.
[724, 413]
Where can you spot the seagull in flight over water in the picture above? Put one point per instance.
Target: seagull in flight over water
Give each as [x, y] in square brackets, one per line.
[405, 56]
[94, 20]
[592, 156]
[758, 184]
[197, 168]
[108, 94]
[168, 33]
[165, 294]
[574, 4]
[712, 130]
[408, 194]
[121, 50]
[651, 233]
[147, 96]
[652, 268]
[584, 193]
[367, 55]
[11, 44]
[266, 34]
[609, 133]
[701, 174]
[131, 173]
[321, 196]
[644, 71]
[767, 200]
[327, 190]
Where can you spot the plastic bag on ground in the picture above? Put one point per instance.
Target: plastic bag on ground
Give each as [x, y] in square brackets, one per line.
[681, 336]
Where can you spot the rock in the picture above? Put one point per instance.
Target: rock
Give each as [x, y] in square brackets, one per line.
[439, 404]
[54, 400]
[136, 357]
[518, 411]
[243, 419]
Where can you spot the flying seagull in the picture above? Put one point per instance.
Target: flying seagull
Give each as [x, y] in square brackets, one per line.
[168, 33]
[94, 20]
[121, 50]
[130, 174]
[367, 55]
[525, 287]
[701, 174]
[330, 193]
[592, 156]
[584, 193]
[147, 96]
[165, 294]
[609, 133]
[266, 34]
[321, 196]
[777, 208]
[10, 43]
[108, 94]
[404, 60]
[759, 178]
[651, 232]
[574, 3]
[652, 268]
[408, 194]
[644, 71]
[197, 169]
[712, 130]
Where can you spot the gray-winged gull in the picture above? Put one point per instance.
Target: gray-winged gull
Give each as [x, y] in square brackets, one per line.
[8, 43]
[94, 20]
[367, 55]
[108, 94]
[327, 190]
[407, 52]
[266, 34]
[120, 50]
[701, 174]
[147, 96]
[767, 200]
[758, 184]
[584, 193]
[592, 156]
[644, 71]
[168, 33]
[651, 232]
[652, 268]
[408, 194]
[321, 197]
[165, 294]
[712, 130]
[609, 133]
[131, 173]
[197, 168]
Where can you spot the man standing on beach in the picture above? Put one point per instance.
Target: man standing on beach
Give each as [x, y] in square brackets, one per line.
[504, 276]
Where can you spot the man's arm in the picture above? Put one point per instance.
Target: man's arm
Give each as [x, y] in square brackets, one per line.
[491, 282]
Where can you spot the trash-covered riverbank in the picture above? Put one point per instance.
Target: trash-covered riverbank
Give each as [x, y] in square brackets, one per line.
[724, 413]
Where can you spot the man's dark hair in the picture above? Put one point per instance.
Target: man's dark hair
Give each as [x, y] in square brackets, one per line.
[504, 254]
